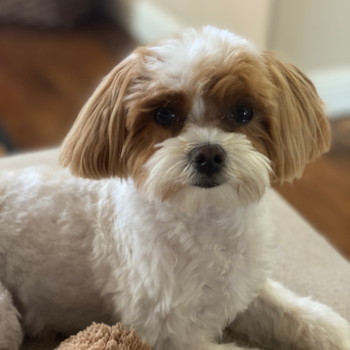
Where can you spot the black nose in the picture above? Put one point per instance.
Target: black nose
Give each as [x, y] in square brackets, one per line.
[208, 159]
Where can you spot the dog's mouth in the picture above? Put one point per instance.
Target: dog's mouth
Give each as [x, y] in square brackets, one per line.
[206, 185]
[207, 182]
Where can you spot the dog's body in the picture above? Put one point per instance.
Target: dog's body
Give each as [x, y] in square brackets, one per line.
[95, 251]
[182, 246]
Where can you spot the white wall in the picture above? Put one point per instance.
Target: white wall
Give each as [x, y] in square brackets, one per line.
[314, 35]
[248, 18]
[151, 20]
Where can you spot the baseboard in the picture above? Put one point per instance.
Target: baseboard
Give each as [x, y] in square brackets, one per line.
[333, 85]
[143, 20]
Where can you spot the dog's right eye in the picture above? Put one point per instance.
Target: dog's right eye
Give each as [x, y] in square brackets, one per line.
[164, 116]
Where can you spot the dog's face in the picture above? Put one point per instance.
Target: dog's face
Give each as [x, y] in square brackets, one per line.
[203, 120]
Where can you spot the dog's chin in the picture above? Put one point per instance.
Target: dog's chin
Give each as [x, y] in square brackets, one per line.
[206, 184]
[195, 197]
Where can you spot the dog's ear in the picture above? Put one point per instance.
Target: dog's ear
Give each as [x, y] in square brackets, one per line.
[93, 147]
[299, 129]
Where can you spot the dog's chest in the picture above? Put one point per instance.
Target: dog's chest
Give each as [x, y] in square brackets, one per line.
[200, 267]
[205, 267]
[210, 276]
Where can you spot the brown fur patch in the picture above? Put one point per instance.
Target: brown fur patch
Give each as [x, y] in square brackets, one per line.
[299, 130]
[144, 133]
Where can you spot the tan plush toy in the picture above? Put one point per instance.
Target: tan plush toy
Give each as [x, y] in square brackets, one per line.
[103, 337]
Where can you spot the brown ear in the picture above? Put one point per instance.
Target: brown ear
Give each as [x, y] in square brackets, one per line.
[299, 129]
[93, 147]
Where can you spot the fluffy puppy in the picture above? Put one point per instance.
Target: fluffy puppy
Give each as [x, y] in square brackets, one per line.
[164, 227]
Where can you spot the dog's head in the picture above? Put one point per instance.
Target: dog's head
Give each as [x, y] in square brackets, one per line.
[202, 120]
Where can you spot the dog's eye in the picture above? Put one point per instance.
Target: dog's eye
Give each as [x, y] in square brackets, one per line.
[164, 116]
[242, 114]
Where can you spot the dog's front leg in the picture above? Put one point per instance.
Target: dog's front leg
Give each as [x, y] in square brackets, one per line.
[10, 329]
[278, 319]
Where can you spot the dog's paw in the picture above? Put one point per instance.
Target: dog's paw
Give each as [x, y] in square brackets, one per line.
[328, 332]
[339, 336]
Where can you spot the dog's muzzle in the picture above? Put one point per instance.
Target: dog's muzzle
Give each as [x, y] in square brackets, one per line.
[208, 162]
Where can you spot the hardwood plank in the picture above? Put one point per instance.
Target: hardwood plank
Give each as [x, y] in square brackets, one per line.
[322, 195]
[46, 76]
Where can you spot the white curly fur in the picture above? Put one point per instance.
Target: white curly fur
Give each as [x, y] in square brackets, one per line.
[75, 251]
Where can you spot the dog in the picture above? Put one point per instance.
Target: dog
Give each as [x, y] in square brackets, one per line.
[164, 226]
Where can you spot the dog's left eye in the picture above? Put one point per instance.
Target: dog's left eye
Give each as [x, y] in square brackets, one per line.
[242, 114]
[164, 116]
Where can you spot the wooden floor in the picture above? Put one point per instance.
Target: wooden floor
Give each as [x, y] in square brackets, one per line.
[45, 77]
[322, 195]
